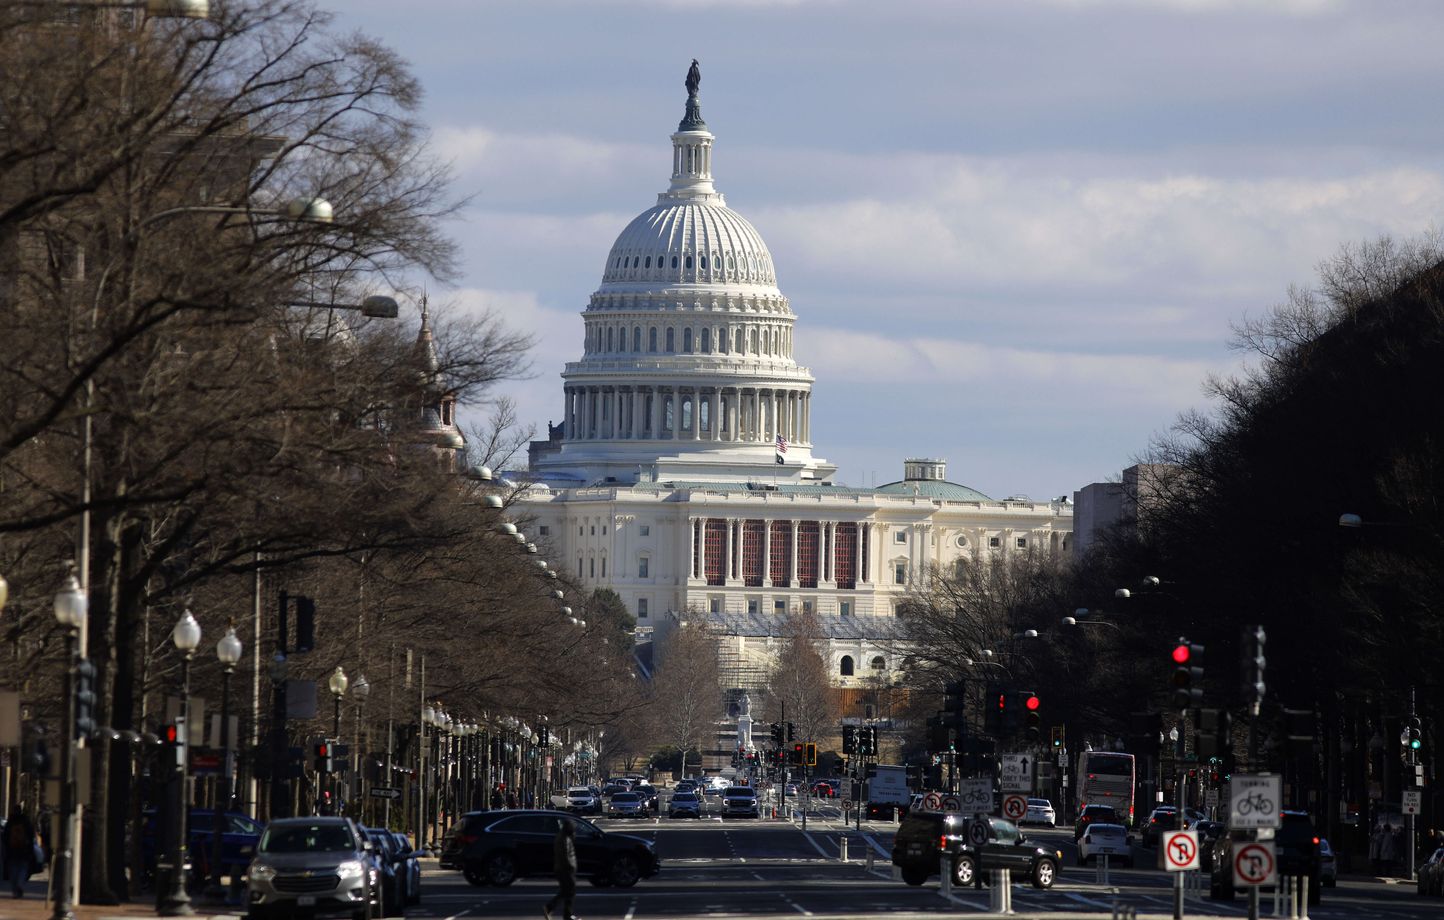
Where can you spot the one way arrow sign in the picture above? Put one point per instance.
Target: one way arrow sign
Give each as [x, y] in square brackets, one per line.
[1017, 773]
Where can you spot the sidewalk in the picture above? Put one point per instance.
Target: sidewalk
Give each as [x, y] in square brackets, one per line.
[34, 907]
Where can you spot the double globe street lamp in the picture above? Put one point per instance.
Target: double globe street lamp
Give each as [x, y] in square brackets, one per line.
[70, 607]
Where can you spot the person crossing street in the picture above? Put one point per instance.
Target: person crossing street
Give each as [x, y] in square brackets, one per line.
[564, 863]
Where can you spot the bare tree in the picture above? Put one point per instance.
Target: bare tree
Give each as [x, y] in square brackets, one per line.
[799, 689]
[686, 695]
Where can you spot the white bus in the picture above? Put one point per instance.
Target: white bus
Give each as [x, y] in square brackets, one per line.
[1107, 778]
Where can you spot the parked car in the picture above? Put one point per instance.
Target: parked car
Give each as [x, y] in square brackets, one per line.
[925, 837]
[1111, 840]
[1431, 874]
[1296, 846]
[824, 789]
[626, 805]
[499, 847]
[684, 805]
[1162, 818]
[1040, 811]
[410, 867]
[582, 801]
[316, 866]
[389, 869]
[239, 835]
[1328, 865]
[648, 792]
[1102, 814]
[739, 802]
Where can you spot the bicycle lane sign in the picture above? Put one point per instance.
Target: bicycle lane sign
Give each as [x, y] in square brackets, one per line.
[1254, 802]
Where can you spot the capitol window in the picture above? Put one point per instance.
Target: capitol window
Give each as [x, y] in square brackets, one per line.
[900, 536]
[674, 261]
[636, 338]
[643, 567]
[704, 263]
[878, 664]
[644, 529]
[688, 263]
[1021, 542]
[641, 608]
[687, 341]
[845, 668]
[900, 573]
[994, 542]
[706, 341]
[647, 262]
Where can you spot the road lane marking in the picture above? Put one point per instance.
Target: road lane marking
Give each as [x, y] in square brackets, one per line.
[815, 846]
[795, 906]
[631, 910]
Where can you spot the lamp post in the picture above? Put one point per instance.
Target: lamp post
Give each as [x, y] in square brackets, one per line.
[70, 607]
[360, 690]
[228, 651]
[174, 902]
[337, 684]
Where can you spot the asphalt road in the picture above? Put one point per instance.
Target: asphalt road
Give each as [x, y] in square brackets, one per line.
[773, 868]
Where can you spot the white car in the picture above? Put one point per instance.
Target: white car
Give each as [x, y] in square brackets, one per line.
[1109, 840]
[1040, 811]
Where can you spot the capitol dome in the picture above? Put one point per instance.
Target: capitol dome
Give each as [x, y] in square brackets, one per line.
[687, 368]
[689, 243]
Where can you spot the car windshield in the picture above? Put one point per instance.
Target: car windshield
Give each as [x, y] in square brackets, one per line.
[684, 797]
[307, 838]
[1040, 803]
[740, 792]
[624, 797]
[1100, 813]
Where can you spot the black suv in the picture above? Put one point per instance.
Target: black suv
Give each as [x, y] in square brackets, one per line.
[924, 837]
[1296, 845]
[498, 847]
[1094, 814]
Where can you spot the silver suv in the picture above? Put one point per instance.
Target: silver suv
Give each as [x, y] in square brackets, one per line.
[739, 802]
[313, 866]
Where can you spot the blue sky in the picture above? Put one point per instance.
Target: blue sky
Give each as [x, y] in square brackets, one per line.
[1014, 232]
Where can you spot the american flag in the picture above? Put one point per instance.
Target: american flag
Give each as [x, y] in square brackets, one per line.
[781, 448]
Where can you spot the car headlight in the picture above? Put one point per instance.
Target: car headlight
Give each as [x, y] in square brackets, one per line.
[262, 873]
[351, 867]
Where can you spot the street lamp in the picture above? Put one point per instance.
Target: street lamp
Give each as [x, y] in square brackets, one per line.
[338, 684]
[70, 607]
[228, 652]
[4, 591]
[174, 902]
[360, 690]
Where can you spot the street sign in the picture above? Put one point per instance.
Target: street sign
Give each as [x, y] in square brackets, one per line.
[1017, 773]
[1180, 850]
[1210, 798]
[978, 831]
[1412, 801]
[1254, 802]
[975, 795]
[952, 803]
[1254, 864]
[385, 792]
[1014, 807]
[932, 802]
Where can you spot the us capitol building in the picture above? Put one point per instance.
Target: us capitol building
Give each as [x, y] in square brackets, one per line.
[682, 475]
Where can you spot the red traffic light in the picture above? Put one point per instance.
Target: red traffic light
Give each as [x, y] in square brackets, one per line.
[1032, 703]
[322, 749]
[171, 734]
[1002, 701]
[1181, 653]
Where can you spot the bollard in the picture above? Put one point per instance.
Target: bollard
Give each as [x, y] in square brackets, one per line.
[869, 858]
[945, 870]
[842, 847]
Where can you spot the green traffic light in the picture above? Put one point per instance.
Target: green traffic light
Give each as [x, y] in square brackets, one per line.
[1415, 743]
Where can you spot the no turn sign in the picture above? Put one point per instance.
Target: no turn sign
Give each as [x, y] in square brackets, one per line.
[1180, 850]
[1254, 864]
[1014, 807]
[978, 832]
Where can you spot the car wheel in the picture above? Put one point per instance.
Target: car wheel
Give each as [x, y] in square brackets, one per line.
[474, 877]
[1045, 873]
[625, 871]
[914, 877]
[499, 869]
[965, 871]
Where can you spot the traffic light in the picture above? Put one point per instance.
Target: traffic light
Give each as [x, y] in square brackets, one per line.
[1411, 738]
[84, 698]
[1251, 667]
[791, 733]
[809, 754]
[954, 708]
[37, 758]
[1032, 718]
[849, 739]
[797, 753]
[995, 704]
[1010, 712]
[1187, 674]
[777, 736]
[868, 739]
[1055, 735]
[1215, 733]
[325, 752]
[174, 737]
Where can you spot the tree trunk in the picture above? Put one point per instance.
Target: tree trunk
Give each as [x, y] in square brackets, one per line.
[122, 791]
[95, 874]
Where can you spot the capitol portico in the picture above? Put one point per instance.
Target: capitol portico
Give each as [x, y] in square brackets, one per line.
[682, 475]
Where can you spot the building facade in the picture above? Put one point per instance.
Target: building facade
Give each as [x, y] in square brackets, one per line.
[682, 475]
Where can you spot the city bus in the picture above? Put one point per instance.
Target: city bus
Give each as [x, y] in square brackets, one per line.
[1107, 778]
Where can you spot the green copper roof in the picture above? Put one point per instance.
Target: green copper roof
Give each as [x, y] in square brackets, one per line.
[934, 488]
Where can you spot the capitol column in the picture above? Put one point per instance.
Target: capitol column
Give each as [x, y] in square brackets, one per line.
[766, 552]
[807, 418]
[792, 575]
[727, 552]
[714, 414]
[696, 413]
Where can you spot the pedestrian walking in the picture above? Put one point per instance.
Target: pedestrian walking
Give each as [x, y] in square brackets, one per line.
[564, 863]
[1388, 852]
[19, 850]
